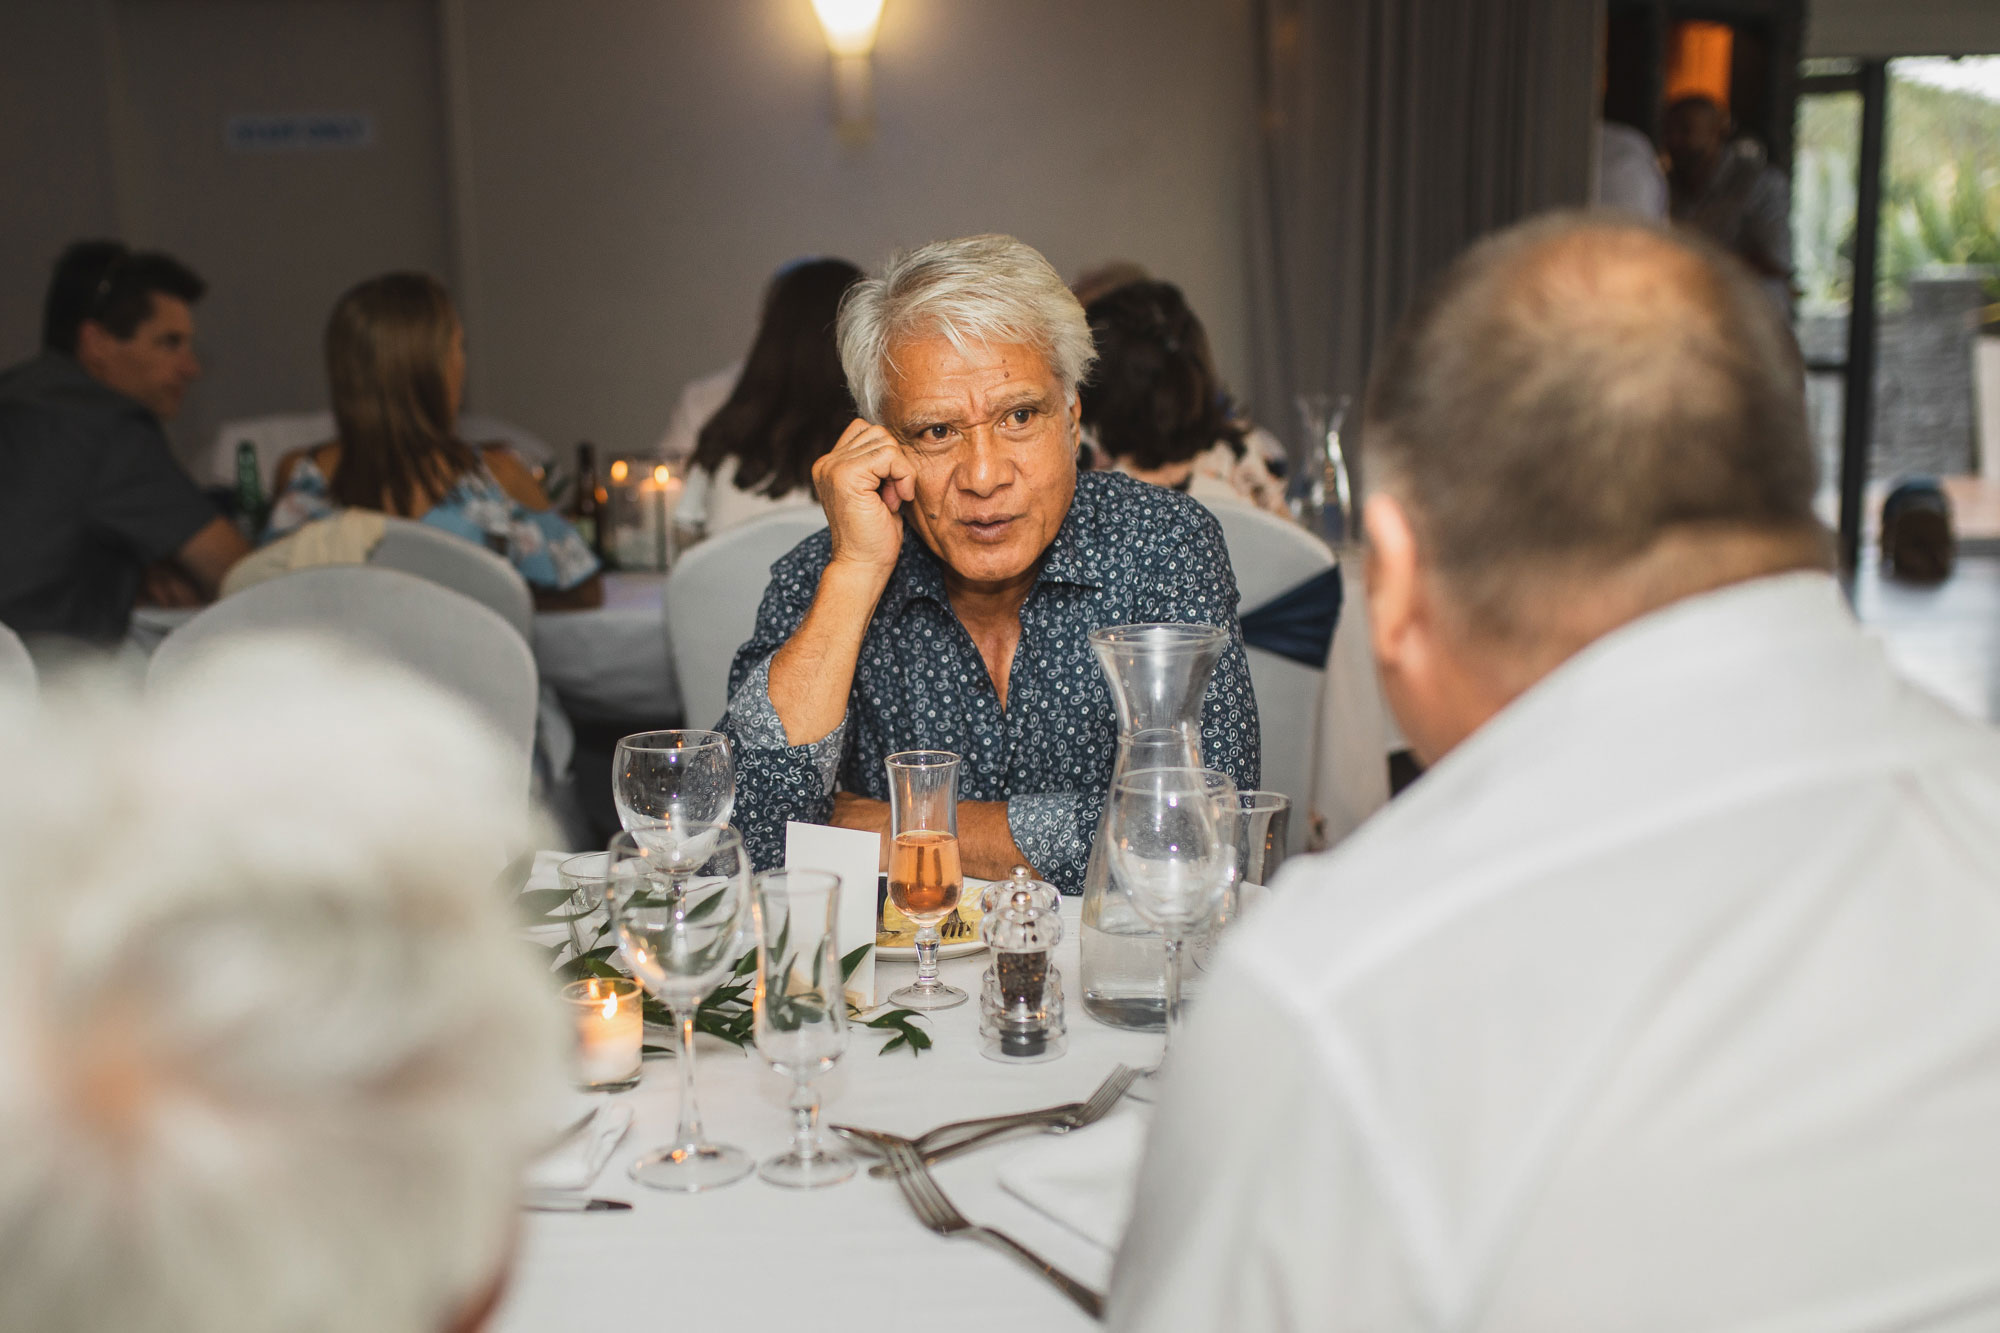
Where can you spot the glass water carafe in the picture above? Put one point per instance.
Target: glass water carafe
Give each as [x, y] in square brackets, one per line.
[1159, 676]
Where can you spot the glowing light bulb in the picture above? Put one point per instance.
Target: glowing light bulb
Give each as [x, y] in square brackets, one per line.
[849, 25]
[620, 470]
[662, 474]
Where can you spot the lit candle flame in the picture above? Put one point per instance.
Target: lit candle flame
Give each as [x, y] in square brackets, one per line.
[661, 474]
[620, 469]
[611, 1005]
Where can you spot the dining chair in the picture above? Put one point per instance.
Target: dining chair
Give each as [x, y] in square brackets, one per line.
[1272, 557]
[17, 669]
[1357, 733]
[445, 558]
[711, 603]
[440, 634]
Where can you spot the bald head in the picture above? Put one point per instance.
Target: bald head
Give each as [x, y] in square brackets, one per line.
[1581, 423]
[1573, 393]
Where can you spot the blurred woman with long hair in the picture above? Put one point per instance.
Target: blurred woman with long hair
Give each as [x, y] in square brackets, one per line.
[789, 406]
[1154, 406]
[395, 359]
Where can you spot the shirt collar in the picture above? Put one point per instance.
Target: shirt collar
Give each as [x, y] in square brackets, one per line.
[1075, 557]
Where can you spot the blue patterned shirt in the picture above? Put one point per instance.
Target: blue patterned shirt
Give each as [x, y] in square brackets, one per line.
[540, 543]
[1126, 553]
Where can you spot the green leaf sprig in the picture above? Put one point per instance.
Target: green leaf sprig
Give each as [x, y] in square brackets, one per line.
[726, 1012]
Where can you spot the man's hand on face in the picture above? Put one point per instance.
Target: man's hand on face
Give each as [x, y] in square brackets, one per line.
[863, 483]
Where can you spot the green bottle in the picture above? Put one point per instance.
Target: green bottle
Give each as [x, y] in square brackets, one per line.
[249, 491]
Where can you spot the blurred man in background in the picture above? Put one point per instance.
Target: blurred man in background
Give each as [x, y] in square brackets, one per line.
[1725, 189]
[272, 1055]
[92, 503]
[1669, 999]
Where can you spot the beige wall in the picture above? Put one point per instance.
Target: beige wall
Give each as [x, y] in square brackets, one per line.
[55, 161]
[634, 177]
[1902, 27]
[626, 173]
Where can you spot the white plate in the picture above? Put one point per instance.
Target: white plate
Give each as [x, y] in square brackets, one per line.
[947, 948]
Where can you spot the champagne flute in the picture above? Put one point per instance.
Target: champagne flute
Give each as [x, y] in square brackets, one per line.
[924, 876]
[1171, 854]
[801, 1011]
[673, 778]
[678, 900]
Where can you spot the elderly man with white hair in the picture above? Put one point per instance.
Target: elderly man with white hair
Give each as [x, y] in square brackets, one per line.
[948, 603]
[272, 1055]
[1670, 997]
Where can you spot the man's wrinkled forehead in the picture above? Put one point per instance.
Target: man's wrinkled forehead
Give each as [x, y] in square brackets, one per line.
[936, 381]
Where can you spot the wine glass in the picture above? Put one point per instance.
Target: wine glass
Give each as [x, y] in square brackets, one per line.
[673, 778]
[801, 1011]
[678, 900]
[924, 876]
[1171, 854]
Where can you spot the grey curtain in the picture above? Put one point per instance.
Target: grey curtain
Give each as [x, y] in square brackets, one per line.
[1391, 134]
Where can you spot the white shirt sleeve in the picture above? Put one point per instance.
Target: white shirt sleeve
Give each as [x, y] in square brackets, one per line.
[1256, 1206]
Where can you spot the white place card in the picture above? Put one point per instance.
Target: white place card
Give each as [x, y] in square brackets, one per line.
[856, 856]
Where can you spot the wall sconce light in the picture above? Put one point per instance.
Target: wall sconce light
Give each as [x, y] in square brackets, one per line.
[850, 27]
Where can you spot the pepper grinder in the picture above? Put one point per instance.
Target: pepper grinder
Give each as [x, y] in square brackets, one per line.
[1020, 1002]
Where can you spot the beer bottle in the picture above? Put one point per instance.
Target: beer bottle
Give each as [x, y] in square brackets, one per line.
[249, 491]
[586, 505]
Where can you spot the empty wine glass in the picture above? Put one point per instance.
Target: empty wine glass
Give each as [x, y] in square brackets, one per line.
[1171, 855]
[925, 880]
[673, 778]
[801, 1011]
[678, 900]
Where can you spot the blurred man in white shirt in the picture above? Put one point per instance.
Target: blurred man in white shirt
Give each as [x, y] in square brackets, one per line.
[1669, 998]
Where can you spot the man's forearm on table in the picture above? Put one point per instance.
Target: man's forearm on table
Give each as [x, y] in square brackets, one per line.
[986, 847]
[986, 842]
[813, 674]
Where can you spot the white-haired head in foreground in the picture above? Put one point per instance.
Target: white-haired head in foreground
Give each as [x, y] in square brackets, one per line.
[272, 1055]
[974, 290]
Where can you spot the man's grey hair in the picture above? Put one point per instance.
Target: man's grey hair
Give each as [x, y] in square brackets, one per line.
[272, 1055]
[974, 290]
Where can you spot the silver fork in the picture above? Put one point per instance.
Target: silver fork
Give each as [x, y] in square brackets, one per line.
[1054, 1120]
[955, 927]
[938, 1213]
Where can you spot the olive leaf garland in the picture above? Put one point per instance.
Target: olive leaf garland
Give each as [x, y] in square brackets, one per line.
[726, 1012]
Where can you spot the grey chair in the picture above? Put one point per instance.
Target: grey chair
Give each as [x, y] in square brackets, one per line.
[712, 598]
[17, 669]
[445, 636]
[434, 554]
[1271, 556]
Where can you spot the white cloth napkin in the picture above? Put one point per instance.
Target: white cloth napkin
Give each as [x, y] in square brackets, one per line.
[575, 1162]
[1084, 1179]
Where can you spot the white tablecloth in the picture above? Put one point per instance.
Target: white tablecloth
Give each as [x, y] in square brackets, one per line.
[610, 662]
[851, 1256]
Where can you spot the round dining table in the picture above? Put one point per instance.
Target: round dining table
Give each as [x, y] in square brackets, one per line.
[847, 1256]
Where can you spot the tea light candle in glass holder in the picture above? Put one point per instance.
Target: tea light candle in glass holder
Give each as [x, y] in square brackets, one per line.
[609, 1026]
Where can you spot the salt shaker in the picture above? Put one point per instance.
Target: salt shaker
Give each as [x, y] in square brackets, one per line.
[1020, 1002]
